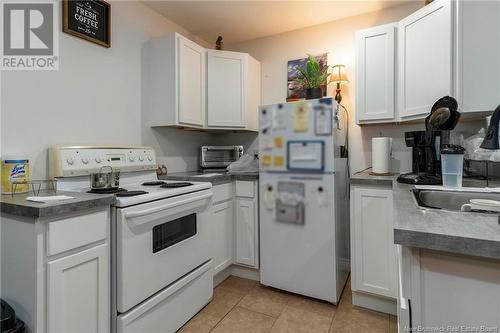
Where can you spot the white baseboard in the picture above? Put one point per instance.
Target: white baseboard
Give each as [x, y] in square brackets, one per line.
[245, 272]
[239, 271]
[221, 276]
[376, 303]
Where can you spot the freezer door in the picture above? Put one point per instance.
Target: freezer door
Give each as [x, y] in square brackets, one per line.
[298, 136]
[298, 254]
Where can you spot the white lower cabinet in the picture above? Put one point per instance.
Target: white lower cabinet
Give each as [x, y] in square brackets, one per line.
[222, 231]
[247, 224]
[78, 292]
[448, 292]
[246, 229]
[56, 271]
[235, 225]
[373, 253]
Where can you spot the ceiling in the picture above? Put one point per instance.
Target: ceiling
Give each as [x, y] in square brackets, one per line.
[239, 21]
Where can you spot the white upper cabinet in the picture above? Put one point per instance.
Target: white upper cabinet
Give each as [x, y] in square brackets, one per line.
[185, 85]
[226, 88]
[191, 82]
[424, 59]
[478, 55]
[445, 48]
[375, 74]
[174, 82]
[233, 90]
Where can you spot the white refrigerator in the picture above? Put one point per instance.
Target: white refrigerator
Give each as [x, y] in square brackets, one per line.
[304, 203]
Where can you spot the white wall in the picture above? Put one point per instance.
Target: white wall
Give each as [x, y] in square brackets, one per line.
[94, 97]
[336, 38]
[178, 149]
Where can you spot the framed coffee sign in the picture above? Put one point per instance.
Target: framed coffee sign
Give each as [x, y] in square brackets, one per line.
[88, 19]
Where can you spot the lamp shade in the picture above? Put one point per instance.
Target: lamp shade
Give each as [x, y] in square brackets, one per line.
[338, 74]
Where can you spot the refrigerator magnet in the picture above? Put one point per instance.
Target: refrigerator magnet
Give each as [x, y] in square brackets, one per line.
[266, 160]
[323, 122]
[301, 118]
[278, 141]
[279, 120]
[279, 160]
[266, 139]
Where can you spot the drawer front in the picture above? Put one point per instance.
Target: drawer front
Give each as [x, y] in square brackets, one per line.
[223, 192]
[70, 233]
[245, 189]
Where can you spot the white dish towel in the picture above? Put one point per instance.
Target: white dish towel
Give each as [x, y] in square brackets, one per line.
[49, 198]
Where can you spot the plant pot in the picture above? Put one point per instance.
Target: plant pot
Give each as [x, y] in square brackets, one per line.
[312, 93]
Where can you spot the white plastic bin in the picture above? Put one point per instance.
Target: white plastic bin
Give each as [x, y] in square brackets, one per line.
[452, 164]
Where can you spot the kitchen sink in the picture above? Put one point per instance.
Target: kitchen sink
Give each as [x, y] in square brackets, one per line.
[449, 200]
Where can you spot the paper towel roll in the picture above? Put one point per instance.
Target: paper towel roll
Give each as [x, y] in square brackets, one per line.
[381, 154]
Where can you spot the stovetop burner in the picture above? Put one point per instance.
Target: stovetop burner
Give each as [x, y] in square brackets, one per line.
[130, 193]
[154, 183]
[176, 185]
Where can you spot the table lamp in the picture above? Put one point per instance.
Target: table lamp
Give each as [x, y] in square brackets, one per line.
[338, 76]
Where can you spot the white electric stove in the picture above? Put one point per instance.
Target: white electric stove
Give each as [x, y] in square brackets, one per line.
[161, 267]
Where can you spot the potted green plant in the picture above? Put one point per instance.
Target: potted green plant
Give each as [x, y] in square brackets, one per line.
[311, 77]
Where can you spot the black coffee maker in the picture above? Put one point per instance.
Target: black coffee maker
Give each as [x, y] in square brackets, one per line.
[426, 164]
[426, 145]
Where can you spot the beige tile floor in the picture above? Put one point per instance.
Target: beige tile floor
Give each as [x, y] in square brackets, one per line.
[241, 305]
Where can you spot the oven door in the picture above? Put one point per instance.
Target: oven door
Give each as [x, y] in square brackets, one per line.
[158, 243]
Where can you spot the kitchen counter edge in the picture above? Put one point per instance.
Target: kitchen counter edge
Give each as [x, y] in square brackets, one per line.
[473, 234]
[17, 205]
[365, 178]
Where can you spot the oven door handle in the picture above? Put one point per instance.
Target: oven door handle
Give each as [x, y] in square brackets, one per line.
[139, 213]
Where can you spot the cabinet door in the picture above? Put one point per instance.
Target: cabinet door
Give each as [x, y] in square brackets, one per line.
[246, 232]
[374, 252]
[191, 82]
[375, 78]
[78, 292]
[227, 73]
[222, 231]
[425, 59]
[478, 55]
[451, 290]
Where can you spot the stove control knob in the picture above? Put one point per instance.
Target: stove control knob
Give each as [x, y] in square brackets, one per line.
[98, 159]
[131, 158]
[150, 157]
[141, 157]
[85, 160]
[70, 160]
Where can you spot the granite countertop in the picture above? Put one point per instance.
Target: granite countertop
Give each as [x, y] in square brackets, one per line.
[18, 205]
[218, 178]
[473, 234]
[364, 178]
